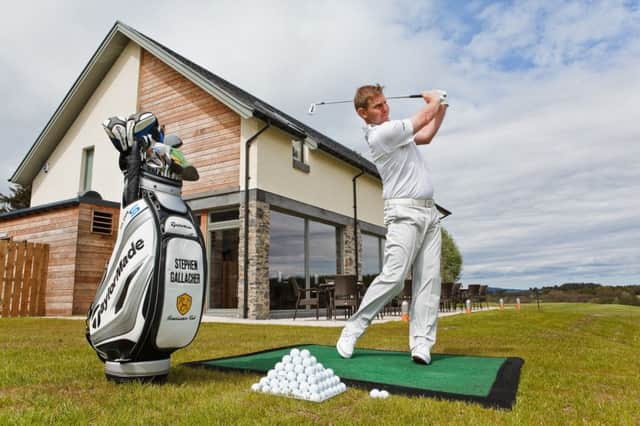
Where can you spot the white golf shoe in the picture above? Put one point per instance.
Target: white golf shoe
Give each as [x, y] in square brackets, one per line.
[346, 343]
[420, 353]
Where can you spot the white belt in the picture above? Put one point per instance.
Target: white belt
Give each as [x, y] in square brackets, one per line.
[409, 202]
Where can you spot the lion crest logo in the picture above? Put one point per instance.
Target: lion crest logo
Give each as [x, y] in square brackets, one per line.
[183, 303]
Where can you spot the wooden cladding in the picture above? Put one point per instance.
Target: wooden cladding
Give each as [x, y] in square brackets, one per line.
[102, 222]
[209, 129]
[23, 278]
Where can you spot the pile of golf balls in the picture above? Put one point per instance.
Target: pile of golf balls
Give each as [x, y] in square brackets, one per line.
[375, 393]
[300, 375]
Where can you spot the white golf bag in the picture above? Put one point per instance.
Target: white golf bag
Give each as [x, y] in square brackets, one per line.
[151, 297]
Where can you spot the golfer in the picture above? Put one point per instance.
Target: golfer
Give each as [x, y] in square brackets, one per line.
[411, 218]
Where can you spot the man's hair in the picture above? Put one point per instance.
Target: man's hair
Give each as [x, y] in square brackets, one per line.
[365, 93]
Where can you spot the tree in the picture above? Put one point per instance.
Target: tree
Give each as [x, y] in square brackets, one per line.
[20, 198]
[451, 263]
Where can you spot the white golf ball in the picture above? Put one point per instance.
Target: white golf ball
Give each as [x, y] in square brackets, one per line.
[306, 362]
[256, 387]
[343, 387]
[291, 375]
[313, 360]
[266, 389]
[296, 360]
[384, 394]
[294, 352]
[271, 374]
[308, 371]
[279, 366]
[288, 367]
[301, 378]
[329, 371]
[313, 388]
[264, 381]
[286, 359]
[315, 397]
[319, 366]
[298, 369]
[311, 379]
[304, 386]
[305, 353]
[375, 393]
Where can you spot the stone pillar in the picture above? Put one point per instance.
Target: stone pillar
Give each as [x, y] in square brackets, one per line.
[258, 297]
[349, 251]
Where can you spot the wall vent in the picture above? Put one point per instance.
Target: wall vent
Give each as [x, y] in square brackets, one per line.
[101, 222]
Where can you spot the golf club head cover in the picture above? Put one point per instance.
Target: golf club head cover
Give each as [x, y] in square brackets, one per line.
[116, 129]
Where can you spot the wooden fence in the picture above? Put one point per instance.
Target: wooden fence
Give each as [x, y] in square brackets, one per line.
[23, 278]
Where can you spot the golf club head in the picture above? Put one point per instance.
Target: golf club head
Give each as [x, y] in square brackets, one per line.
[312, 109]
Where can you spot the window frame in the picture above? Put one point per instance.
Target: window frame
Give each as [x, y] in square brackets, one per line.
[86, 169]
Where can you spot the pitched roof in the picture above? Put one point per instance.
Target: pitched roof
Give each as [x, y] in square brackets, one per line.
[242, 102]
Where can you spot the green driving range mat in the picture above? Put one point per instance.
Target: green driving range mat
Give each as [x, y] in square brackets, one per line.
[490, 381]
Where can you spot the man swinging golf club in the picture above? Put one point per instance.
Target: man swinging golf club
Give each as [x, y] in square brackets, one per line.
[410, 215]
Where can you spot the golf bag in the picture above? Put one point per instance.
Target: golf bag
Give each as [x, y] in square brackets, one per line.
[151, 297]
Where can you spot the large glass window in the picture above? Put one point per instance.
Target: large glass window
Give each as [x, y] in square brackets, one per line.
[286, 258]
[322, 251]
[372, 252]
[302, 249]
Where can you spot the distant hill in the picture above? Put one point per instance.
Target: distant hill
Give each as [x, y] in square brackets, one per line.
[494, 290]
[573, 292]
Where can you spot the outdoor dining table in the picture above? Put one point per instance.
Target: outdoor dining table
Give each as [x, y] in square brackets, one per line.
[329, 287]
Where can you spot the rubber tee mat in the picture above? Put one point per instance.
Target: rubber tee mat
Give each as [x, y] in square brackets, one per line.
[490, 381]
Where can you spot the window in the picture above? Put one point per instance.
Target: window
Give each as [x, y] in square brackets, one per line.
[300, 248]
[323, 259]
[299, 154]
[87, 170]
[298, 150]
[372, 256]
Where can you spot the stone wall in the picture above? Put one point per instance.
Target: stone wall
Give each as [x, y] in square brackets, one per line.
[258, 296]
[348, 251]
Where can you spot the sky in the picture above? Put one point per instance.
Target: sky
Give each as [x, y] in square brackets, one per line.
[538, 157]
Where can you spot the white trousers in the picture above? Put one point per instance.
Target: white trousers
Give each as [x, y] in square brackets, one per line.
[413, 239]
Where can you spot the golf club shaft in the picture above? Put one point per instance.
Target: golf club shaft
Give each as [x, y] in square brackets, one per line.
[351, 100]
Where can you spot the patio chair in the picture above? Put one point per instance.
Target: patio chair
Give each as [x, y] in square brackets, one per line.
[305, 296]
[345, 294]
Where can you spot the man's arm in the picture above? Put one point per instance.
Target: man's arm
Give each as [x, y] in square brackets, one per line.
[426, 134]
[428, 112]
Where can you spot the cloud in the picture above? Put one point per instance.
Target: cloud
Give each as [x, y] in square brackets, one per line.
[536, 159]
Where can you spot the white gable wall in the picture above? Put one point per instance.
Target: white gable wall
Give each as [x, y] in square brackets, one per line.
[328, 185]
[116, 95]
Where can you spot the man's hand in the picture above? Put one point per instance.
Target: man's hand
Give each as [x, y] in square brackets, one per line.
[428, 112]
[431, 96]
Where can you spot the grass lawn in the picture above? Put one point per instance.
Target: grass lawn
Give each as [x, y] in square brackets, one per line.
[582, 366]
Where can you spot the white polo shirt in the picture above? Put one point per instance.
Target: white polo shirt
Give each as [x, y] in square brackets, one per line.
[404, 171]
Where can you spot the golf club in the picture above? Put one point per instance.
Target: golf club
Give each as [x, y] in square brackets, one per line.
[313, 106]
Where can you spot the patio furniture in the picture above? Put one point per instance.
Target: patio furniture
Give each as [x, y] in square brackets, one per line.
[345, 294]
[305, 296]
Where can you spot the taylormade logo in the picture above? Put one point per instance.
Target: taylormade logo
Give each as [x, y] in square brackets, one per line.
[180, 225]
[135, 247]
